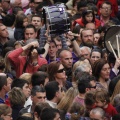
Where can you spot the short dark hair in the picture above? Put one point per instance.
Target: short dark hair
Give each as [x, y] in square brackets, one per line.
[51, 89]
[9, 20]
[81, 4]
[16, 9]
[106, 2]
[84, 82]
[24, 118]
[37, 88]
[36, 15]
[19, 83]
[30, 26]
[3, 81]
[49, 113]
[38, 78]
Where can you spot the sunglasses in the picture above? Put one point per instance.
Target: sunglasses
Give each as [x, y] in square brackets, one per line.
[61, 70]
[93, 87]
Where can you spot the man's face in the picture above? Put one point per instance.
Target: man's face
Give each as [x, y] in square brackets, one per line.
[3, 31]
[30, 34]
[85, 53]
[66, 59]
[105, 10]
[5, 5]
[59, 44]
[26, 90]
[36, 21]
[96, 116]
[87, 37]
[37, 2]
[52, 50]
[18, 3]
[39, 97]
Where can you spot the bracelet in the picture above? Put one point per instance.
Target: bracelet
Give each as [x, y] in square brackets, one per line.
[72, 39]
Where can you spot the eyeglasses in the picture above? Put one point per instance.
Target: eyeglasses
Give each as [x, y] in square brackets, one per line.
[93, 87]
[61, 70]
[105, 8]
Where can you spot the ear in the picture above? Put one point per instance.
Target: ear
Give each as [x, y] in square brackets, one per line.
[87, 89]
[35, 114]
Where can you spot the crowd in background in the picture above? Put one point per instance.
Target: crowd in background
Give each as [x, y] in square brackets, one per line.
[60, 76]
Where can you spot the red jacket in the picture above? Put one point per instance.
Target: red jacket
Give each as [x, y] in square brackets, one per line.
[80, 22]
[114, 7]
[18, 62]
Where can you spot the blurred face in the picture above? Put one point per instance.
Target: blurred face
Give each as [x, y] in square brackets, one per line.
[70, 46]
[87, 37]
[36, 21]
[105, 10]
[57, 117]
[37, 2]
[39, 97]
[89, 17]
[105, 72]
[34, 53]
[3, 32]
[30, 34]
[66, 59]
[25, 22]
[96, 38]
[5, 5]
[60, 73]
[26, 90]
[85, 53]
[95, 56]
[100, 104]
[7, 117]
[18, 3]
[95, 116]
[59, 44]
[52, 50]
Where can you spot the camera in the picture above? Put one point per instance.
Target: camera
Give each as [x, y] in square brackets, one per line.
[39, 50]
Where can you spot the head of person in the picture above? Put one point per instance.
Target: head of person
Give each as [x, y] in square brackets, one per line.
[81, 6]
[58, 42]
[95, 55]
[5, 112]
[67, 99]
[56, 71]
[86, 83]
[91, 26]
[66, 58]
[106, 9]
[18, 10]
[87, 37]
[97, 114]
[85, 52]
[53, 91]
[70, 46]
[23, 84]
[38, 94]
[36, 21]
[88, 16]
[3, 31]
[16, 97]
[3, 83]
[89, 101]
[39, 107]
[101, 69]
[21, 21]
[50, 114]
[52, 49]
[39, 78]
[9, 20]
[102, 98]
[15, 3]
[5, 5]
[37, 2]
[96, 38]
[30, 32]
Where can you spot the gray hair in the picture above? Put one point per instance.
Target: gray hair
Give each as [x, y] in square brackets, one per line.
[117, 100]
[99, 111]
[85, 47]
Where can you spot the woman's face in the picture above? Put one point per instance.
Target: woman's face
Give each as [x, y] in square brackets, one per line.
[105, 71]
[96, 38]
[95, 56]
[89, 17]
[60, 73]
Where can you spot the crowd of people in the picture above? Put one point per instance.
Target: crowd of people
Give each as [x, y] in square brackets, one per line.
[60, 76]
